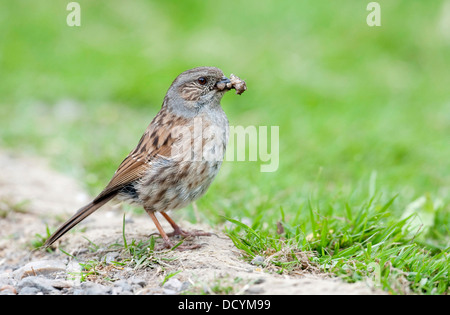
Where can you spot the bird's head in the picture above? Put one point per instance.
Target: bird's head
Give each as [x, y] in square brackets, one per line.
[197, 88]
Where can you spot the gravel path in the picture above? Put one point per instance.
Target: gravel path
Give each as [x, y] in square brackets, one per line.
[32, 195]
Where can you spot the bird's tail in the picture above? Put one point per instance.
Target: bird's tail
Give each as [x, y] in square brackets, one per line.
[77, 218]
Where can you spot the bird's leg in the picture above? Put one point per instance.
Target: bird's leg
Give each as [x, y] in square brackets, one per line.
[167, 243]
[178, 231]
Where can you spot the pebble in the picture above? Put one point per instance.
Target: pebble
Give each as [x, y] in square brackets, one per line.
[8, 290]
[62, 277]
[45, 268]
[138, 281]
[174, 286]
[254, 290]
[122, 287]
[258, 261]
[110, 257]
[92, 288]
[36, 285]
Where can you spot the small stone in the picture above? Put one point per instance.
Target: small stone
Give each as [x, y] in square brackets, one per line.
[173, 285]
[254, 290]
[61, 284]
[259, 281]
[8, 290]
[35, 284]
[6, 279]
[185, 285]
[258, 261]
[29, 291]
[91, 288]
[45, 268]
[110, 257]
[138, 281]
[122, 287]
[169, 292]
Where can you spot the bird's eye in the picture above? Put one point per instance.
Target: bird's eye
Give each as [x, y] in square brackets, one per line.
[202, 80]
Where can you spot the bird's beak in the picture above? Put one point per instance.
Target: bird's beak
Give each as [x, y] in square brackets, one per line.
[223, 84]
[224, 80]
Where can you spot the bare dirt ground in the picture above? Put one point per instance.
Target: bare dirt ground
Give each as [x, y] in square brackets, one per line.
[33, 195]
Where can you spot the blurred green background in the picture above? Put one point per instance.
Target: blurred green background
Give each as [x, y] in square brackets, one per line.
[360, 109]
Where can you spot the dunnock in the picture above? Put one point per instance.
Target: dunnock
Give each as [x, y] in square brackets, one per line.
[178, 156]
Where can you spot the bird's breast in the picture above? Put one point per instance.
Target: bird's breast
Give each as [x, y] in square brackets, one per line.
[176, 180]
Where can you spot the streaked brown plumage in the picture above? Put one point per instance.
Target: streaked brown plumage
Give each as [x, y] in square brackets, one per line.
[177, 157]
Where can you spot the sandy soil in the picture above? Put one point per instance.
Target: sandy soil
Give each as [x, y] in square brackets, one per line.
[216, 267]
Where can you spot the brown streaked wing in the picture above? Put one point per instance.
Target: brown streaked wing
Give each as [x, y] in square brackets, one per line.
[136, 163]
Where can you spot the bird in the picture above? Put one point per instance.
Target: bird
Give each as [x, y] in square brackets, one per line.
[177, 157]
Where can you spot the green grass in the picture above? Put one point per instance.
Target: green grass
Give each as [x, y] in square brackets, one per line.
[363, 115]
[355, 244]
[8, 207]
[133, 254]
